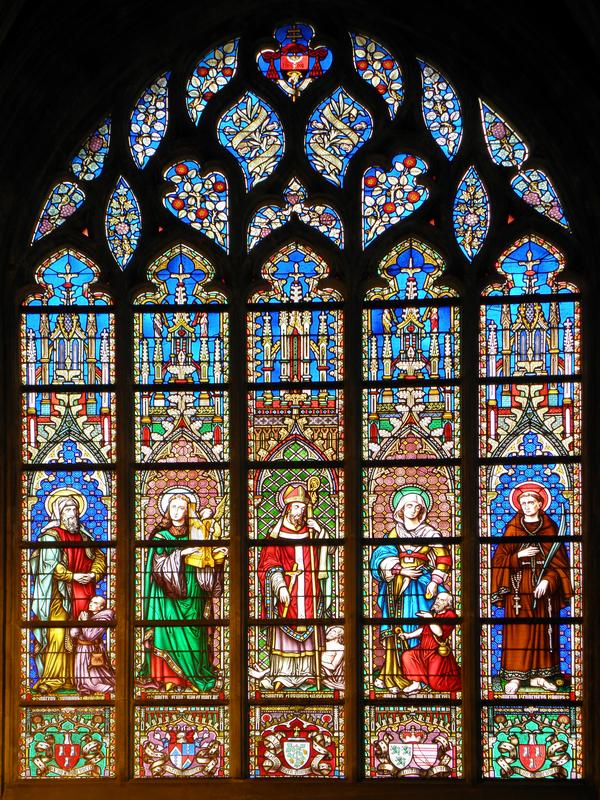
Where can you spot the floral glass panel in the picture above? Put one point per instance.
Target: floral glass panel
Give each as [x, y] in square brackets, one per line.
[63, 201]
[471, 214]
[123, 223]
[199, 200]
[213, 72]
[377, 66]
[149, 119]
[320, 217]
[388, 197]
[89, 161]
[337, 129]
[295, 62]
[535, 188]
[441, 110]
[504, 144]
[252, 132]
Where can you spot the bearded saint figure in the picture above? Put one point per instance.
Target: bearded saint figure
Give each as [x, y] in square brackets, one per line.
[180, 585]
[531, 582]
[65, 581]
[291, 575]
[408, 574]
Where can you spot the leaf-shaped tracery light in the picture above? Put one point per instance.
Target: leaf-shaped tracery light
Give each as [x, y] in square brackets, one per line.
[252, 132]
[123, 222]
[378, 67]
[149, 119]
[441, 110]
[212, 73]
[338, 127]
[471, 213]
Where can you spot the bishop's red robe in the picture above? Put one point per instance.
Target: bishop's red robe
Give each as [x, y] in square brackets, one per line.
[293, 645]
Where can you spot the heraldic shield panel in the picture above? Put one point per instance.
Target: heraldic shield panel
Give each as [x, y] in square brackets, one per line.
[413, 742]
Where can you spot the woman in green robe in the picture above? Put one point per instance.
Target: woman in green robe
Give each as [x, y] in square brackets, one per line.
[179, 582]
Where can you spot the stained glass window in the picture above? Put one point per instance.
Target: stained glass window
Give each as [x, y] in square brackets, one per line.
[341, 534]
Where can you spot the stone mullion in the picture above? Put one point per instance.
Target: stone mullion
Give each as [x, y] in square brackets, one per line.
[238, 548]
[125, 526]
[353, 557]
[471, 711]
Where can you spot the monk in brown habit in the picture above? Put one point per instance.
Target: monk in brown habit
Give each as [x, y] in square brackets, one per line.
[527, 590]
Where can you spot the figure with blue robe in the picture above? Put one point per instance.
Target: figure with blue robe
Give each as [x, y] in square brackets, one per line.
[408, 574]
